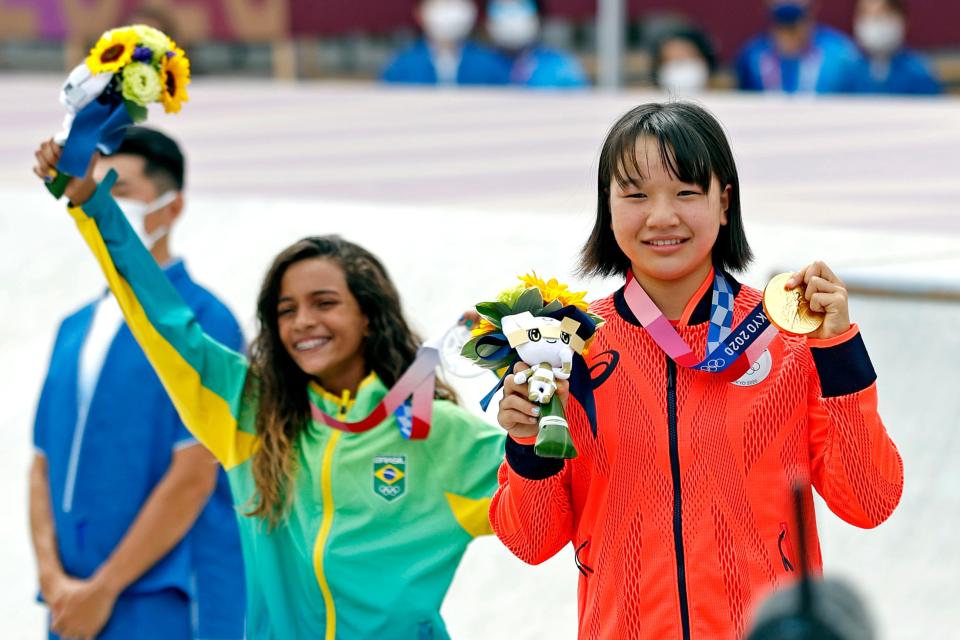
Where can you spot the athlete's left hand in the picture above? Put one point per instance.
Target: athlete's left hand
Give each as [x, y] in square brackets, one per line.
[826, 294]
[82, 608]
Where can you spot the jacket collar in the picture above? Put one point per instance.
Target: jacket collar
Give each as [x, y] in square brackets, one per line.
[698, 313]
[348, 407]
[176, 270]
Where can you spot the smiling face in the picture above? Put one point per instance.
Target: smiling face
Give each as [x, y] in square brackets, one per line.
[321, 325]
[666, 227]
[543, 340]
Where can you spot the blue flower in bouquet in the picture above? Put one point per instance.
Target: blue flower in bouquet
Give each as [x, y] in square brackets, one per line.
[143, 54]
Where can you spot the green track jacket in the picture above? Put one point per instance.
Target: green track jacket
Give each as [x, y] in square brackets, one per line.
[378, 523]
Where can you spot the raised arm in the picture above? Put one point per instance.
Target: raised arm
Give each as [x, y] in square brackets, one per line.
[854, 464]
[204, 379]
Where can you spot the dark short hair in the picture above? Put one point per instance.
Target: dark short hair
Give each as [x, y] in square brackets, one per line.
[693, 148]
[164, 163]
[691, 34]
[899, 6]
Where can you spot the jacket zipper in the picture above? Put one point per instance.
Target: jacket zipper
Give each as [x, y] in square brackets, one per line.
[326, 521]
[785, 548]
[583, 568]
[677, 500]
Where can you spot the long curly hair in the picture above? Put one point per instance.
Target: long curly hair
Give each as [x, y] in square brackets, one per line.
[280, 386]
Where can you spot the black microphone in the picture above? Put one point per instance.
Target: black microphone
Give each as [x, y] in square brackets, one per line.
[813, 609]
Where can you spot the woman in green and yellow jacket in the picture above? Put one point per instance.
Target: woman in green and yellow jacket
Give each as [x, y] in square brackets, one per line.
[345, 535]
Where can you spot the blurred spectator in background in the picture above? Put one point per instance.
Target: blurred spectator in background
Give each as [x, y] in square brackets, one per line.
[797, 55]
[880, 27]
[514, 28]
[683, 60]
[445, 55]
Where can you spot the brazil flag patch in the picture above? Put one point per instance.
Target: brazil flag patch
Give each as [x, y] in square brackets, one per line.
[389, 476]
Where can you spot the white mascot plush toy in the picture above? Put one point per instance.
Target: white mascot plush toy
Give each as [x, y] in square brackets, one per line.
[547, 326]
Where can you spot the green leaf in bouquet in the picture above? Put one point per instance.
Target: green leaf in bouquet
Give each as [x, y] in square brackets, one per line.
[499, 363]
[554, 306]
[469, 350]
[509, 296]
[487, 350]
[530, 300]
[493, 311]
[137, 113]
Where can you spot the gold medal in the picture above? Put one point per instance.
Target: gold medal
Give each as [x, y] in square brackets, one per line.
[787, 309]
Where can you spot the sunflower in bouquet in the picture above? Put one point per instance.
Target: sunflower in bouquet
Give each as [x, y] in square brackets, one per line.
[146, 67]
[127, 69]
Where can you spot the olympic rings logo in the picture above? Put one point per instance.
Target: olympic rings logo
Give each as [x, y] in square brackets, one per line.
[387, 490]
[713, 365]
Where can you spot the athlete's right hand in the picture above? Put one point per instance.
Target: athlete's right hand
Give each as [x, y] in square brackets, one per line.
[517, 414]
[78, 190]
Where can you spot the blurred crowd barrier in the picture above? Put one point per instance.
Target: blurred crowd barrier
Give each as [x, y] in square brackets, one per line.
[353, 38]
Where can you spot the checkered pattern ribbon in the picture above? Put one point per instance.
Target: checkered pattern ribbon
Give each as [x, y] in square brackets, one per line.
[404, 417]
[721, 313]
[725, 345]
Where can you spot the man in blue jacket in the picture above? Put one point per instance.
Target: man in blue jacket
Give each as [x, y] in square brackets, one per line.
[514, 27]
[880, 27]
[797, 55]
[446, 55]
[131, 519]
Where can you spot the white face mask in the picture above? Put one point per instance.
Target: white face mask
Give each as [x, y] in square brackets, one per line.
[683, 76]
[879, 35]
[137, 212]
[512, 25]
[448, 20]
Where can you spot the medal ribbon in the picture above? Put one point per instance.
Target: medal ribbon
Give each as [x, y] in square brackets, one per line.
[416, 381]
[724, 345]
[809, 72]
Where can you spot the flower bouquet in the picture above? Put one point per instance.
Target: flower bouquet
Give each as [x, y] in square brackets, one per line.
[548, 327]
[128, 69]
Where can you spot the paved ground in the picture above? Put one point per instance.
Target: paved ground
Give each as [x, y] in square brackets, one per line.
[431, 180]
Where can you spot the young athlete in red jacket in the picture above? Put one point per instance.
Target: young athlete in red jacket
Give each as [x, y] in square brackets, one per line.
[679, 504]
